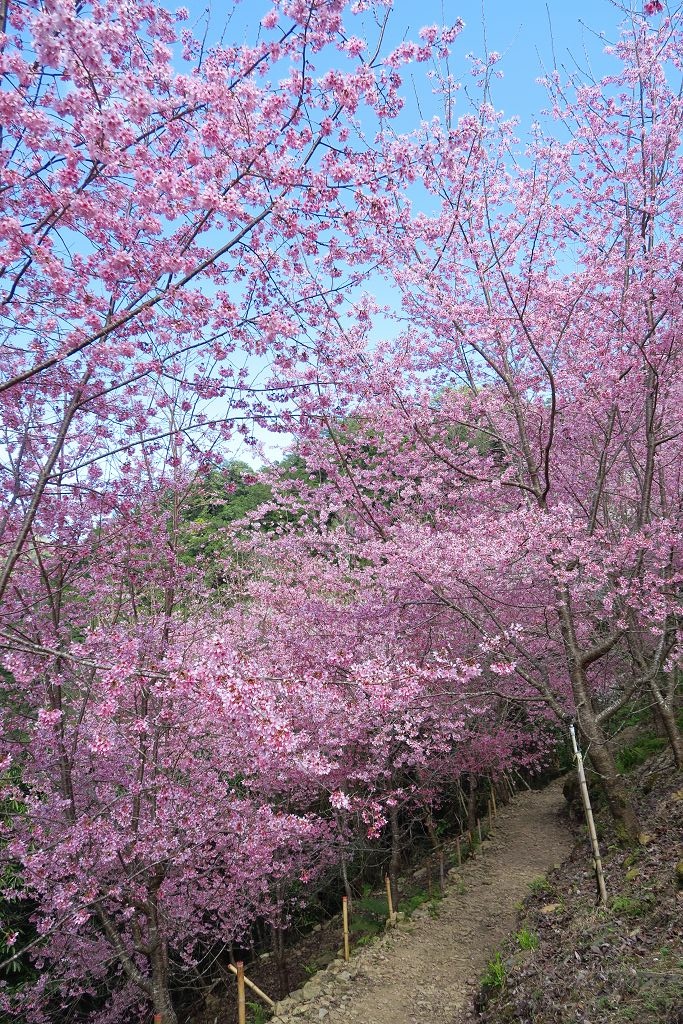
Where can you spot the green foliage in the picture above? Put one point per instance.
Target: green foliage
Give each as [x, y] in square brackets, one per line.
[527, 939]
[368, 915]
[258, 1013]
[370, 905]
[430, 901]
[419, 899]
[645, 745]
[222, 497]
[495, 973]
[638, 752]
[634, 713]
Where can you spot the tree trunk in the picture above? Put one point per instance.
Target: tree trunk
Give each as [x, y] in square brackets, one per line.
[667, 717]
[430, 829]
[395, 860]
[161, 997]
[472, 803]
[345, 882]
[660, 727]
[437, 846]
[278, 936]
[618, 797]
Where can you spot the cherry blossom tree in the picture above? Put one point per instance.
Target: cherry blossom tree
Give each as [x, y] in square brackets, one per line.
[172, 210]
[479, 538]
[168, 210]
[512, 459]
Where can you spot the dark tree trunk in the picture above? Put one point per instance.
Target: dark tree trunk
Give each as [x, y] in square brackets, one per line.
[278, 937]
[472, 803]
[395, 860]
[161, 996]
[667, 716]
[618, 797]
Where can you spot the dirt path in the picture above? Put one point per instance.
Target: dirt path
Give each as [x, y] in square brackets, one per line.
[428, 972]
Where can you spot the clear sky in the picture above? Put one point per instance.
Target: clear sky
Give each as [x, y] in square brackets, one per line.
[533, 36]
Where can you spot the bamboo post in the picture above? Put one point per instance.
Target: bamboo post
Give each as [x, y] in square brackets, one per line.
[583, 785]
[390, 902]
[345, 921]
[493, 802]
[442, 872]
[458, 850]
[490, 809]
[254, 988]
[241, 997]
[479, 828]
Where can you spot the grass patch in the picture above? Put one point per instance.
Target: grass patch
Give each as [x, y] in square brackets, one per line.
[495, 973]
[630, 906]
[527, 939]
[540, 887]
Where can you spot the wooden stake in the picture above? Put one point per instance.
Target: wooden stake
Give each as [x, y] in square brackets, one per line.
[479, 828]
[458, 850]
[471, 840]
[493, 802]
[345, 920]
[490, 816]
[254, 988]
[390, 902]
[583, 785]
[241, 996]
[442, 872]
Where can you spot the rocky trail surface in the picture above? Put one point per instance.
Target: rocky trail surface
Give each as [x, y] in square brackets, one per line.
[426, 969]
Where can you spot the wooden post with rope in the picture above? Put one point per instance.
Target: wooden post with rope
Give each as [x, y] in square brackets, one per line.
[241, 996]
[583, 785]
[345, 925]
[390, 902]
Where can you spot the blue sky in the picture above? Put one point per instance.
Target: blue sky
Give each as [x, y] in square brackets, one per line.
[531, 35]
